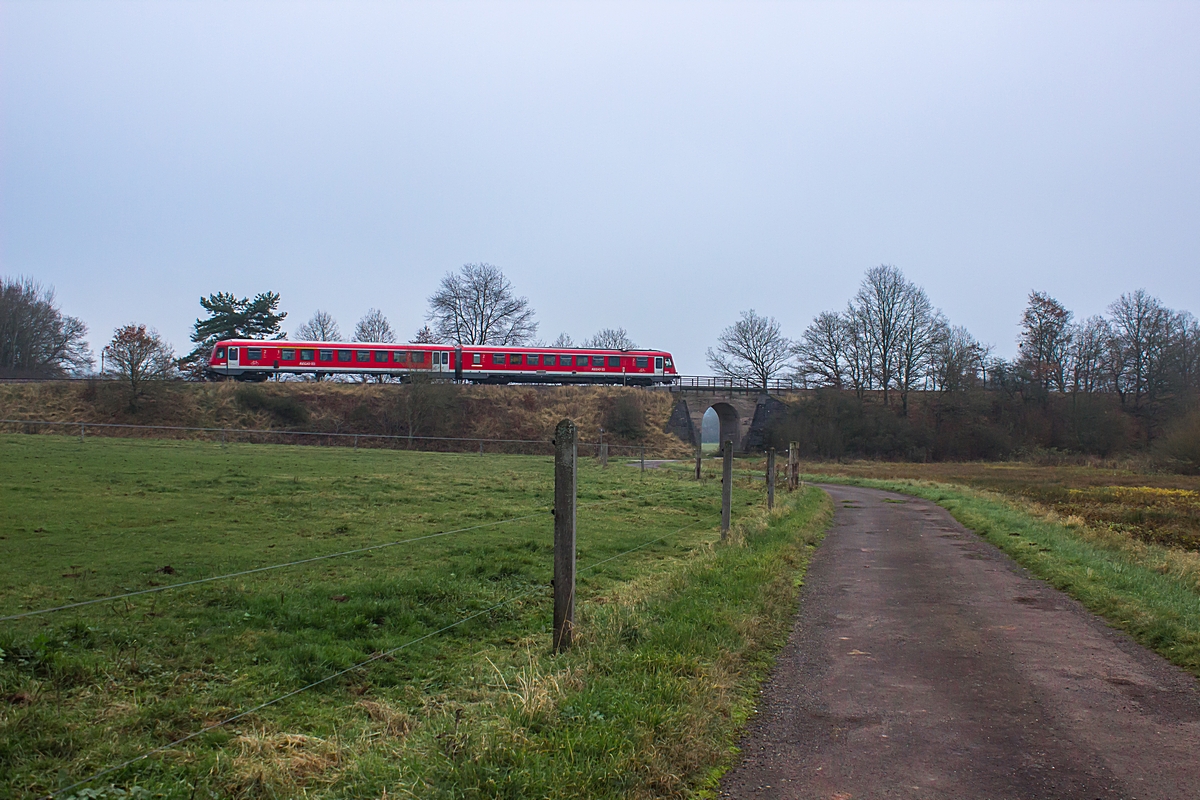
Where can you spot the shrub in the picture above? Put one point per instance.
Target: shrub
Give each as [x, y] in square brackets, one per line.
[626, 418]
[286, 409]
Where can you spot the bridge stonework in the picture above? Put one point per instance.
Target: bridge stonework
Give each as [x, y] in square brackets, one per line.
[744, 417]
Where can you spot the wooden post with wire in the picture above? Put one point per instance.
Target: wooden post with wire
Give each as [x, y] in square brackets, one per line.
[726, 487]
[793, 466]
[643, 458]
[565, 458]
[770, 479]
[699, 455]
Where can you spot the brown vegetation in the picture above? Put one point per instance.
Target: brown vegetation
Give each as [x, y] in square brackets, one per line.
[629, 416]
[1109, 496]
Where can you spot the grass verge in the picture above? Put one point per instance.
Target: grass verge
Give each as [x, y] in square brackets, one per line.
[1151, 592]
[675, 630]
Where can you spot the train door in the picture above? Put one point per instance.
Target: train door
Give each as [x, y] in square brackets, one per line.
[658, 365]
[441, 362]
[233, 357]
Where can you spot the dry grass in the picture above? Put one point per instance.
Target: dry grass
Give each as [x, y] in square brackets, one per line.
[487, 412]
[268, 762]
[1106, 498]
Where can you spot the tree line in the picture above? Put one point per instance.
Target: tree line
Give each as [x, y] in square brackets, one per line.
[1105, 384]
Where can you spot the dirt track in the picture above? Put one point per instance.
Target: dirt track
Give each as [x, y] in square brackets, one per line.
[926, 664]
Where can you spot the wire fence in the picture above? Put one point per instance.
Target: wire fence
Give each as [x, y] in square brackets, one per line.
[373, 658]
[601, 450]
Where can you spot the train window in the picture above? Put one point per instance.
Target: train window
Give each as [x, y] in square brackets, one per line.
[345, 355]
[497, 358]
[418, 357]
[400, 356]
[658, 362]
[549, 360]
[614, 361]
[220, 352]
[642, 362]
[597, 361]
[514, 358]
[287, 355]
[254, 353]
[362, 355]
[532, 359]
[477, 359]
[307, 355]
[668, 363]
[381, 356]
[327, 355]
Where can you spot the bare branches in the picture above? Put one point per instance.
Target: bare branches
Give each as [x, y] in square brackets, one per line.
[36, 339]
[374, 327]
[139, 355]
[322, 327]
[476, 305]
[1045, 341]
[608, 339]
[752, 349]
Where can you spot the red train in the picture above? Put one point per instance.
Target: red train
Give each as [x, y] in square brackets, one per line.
[249, 359]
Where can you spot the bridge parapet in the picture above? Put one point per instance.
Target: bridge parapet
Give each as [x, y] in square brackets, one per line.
[720, 383]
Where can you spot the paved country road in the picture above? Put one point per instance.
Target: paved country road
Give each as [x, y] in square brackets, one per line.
[926, 664]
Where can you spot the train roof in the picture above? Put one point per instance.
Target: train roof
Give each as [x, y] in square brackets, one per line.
[410, 345]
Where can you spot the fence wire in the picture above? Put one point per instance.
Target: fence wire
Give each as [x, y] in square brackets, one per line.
[360, 665]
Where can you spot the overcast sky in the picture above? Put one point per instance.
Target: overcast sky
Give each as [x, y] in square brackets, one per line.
[658, 166]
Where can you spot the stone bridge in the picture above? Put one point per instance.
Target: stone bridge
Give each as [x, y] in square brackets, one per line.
[744, 415]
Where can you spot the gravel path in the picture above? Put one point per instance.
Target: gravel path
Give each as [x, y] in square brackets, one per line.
[926, 664]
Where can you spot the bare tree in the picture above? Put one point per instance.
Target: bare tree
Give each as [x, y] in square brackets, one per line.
[610, 339]
[823, 351]
[476, 305]
[1089, 346]
[322, 327]
[1045, 341]
[958, 362]
[922, 330]
[139, 355]
[563, 340]
[36, 338]
[425, 336]
[1141, 327]
[880, 307]
[374, 327]
[752, 349]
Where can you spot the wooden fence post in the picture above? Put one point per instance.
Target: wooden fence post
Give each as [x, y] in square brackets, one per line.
[770, 479]
[726, 488]
[81, 427]
[699, 455]
[565, 457]
[793, 465]
[643, 458]
[604, 454]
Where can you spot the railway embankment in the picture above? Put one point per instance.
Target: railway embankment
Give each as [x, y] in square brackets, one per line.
[628, 416]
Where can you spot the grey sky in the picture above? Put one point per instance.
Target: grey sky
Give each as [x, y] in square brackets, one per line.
[659, 166]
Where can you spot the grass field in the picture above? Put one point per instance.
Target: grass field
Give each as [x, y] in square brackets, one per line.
[673, 635]
[1111, 539]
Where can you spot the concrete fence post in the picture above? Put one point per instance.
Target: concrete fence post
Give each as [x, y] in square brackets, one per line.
[81, 431]
[726, 488]
[565, 458]
[770, 479]
[643, 458]
[604, 454]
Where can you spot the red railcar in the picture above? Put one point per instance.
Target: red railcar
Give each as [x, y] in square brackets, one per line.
[249, 359]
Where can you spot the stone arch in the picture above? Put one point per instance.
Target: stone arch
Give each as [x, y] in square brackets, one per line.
[736, 414]
[729, 418]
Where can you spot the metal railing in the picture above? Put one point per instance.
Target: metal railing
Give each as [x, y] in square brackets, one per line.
[722, 383]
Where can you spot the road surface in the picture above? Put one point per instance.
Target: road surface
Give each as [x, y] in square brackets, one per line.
[926, 664]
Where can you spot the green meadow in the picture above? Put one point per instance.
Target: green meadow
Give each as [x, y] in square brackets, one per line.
[450, 605]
